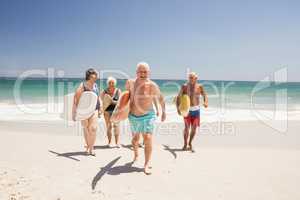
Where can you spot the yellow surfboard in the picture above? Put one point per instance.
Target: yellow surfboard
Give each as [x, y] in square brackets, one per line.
[184, 105]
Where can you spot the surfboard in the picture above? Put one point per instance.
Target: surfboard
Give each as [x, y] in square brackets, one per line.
[86, 105]
[106, 101]
[184, 105]
[121, 110]
[85, 108]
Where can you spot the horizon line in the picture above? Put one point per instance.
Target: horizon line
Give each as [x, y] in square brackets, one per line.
[171, 79]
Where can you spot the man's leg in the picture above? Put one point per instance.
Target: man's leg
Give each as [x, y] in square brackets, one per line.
[186, 135]
[193, 133]
[148, 151]
[135, 145]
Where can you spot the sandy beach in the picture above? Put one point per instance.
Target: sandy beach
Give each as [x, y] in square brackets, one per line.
[214, 86]
[45, 160]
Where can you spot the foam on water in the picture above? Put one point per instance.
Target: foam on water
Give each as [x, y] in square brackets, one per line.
[38, 112]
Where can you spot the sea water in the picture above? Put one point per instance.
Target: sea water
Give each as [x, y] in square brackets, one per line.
[232, 97]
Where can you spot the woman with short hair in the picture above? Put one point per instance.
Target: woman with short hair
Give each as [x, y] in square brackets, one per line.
[90, 125]
[110, 97]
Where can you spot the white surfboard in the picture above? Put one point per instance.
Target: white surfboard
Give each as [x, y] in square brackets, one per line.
[85, 109]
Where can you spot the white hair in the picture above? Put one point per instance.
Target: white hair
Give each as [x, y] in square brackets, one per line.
[143, 64]
[110, 78]
[193, 74]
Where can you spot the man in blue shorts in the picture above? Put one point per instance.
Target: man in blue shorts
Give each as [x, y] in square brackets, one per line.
[143, 94]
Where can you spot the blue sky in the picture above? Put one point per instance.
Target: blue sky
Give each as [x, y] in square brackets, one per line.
[221, 40]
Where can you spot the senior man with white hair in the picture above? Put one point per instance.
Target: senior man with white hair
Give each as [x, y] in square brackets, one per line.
[143, 95]
[193, 89]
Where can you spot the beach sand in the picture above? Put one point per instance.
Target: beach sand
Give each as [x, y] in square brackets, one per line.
[45, 160]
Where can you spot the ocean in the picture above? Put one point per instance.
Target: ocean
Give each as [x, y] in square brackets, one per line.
[230, 100]
[232, 94]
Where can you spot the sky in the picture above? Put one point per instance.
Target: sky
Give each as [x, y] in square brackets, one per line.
[220, 40]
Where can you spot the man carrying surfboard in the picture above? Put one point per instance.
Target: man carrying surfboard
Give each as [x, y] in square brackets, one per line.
[189, 98]
[143, 93]
[89, 122]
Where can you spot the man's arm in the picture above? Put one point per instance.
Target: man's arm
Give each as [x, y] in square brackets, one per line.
[203, 93]
[156, 106]
[157, 94]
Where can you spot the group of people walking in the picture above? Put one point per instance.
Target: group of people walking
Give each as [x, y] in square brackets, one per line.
[146, 102]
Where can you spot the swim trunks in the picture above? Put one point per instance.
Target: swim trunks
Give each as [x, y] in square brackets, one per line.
[193, 117]
[143, 123]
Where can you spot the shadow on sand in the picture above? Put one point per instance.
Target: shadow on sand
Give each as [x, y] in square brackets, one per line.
[172, 150]
[117, 170]
[70, 154]
[103, 147]
[129, 146]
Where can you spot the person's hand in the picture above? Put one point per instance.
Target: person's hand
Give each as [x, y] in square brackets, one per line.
[205, 105]
[163, 116]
